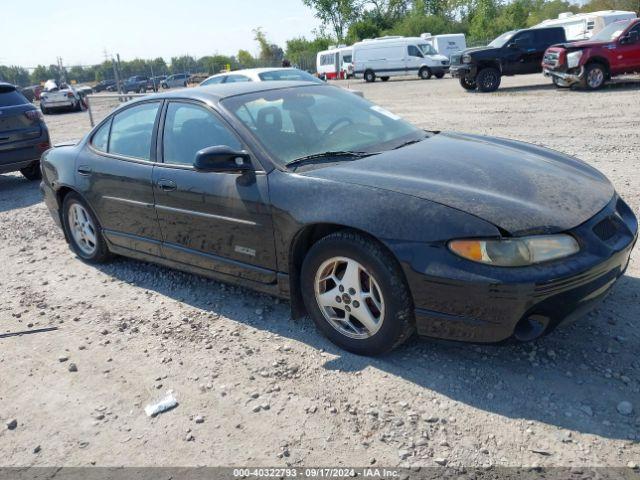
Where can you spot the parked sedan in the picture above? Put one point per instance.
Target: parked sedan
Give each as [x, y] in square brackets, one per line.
[63, 97]
[372, 226]
[261, 75]
[23, 134]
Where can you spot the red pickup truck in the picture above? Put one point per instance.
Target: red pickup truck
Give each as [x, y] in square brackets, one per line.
[615, 50]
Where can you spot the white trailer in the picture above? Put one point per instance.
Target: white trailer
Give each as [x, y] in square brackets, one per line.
[583, 26]
[447, 44]
[335, 63]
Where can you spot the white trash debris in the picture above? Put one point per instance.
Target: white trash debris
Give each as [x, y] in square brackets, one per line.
[167, 403]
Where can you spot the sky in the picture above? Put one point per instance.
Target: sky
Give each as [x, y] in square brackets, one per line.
[37, 31]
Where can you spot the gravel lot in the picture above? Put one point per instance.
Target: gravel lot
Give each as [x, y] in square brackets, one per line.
[256, 388]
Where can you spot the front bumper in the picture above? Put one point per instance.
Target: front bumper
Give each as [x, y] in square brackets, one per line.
[567, 77]
[460, 300]
[464, 70]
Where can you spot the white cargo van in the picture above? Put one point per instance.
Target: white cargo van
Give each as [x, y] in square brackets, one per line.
[447, 44]
[583, 26]
[391, 56]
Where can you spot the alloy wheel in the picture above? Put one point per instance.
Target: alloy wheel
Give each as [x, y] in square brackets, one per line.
[595, 78]
[82, 229]
[349, 297]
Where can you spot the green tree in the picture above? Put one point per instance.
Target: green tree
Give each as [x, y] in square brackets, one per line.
[245, 59]
[336, 14]
[270, 53]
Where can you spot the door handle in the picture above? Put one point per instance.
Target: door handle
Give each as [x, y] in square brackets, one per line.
[84, 169]
[166, 185]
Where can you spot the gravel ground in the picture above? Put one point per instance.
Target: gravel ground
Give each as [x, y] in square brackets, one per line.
[257, 388]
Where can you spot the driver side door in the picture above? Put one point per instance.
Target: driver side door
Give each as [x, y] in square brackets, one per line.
[522, 55]
[213, 220]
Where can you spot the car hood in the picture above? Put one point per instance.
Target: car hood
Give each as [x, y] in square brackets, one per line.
[481, 51]
[518, 187]
[581, 44]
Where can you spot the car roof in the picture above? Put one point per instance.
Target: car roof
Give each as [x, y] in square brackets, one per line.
[7, 86]
[217, 92]
[251, 72]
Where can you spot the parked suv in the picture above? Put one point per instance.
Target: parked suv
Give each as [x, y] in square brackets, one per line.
[513, 53]
[176, 80]
[615, 50]
[23, 134]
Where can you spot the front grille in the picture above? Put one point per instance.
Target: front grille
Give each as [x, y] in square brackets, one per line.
[607, 228]
[551, 58]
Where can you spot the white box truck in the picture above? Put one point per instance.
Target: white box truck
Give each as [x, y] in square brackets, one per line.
[387, 57]
[447, 44]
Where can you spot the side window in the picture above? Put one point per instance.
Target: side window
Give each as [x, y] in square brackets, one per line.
[189, 128]
[414, 52]
[213, 81]
[524, 40]
[237, 78]
[100, 140]
[545, 38]
[132, 130]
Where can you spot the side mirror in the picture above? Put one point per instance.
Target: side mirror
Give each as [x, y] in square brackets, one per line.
[630, 38]
[222, 159]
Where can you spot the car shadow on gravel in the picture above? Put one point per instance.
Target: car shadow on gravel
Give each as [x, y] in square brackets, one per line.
[18, 192]
[573, 378]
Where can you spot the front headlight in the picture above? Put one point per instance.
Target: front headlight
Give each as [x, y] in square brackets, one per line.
[573, 59]
[466, 58]
[516, 252]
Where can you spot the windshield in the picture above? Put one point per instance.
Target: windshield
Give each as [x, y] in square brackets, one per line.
[298, 122]
[502, 40]
[427, 49]
[612, 32]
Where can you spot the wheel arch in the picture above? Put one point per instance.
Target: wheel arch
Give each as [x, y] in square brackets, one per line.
[602, 61]
[489, 64]
[300, 245]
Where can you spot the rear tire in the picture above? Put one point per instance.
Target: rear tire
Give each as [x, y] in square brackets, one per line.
[439, 75]
[32, 172]
[424, 73]
[488, 79]
[83, 230]
[44, 110]
[595, 76]
[364, 276]
[369, 76]
[384, 79]
[468, 83]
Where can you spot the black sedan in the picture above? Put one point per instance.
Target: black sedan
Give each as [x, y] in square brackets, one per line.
[372, 226]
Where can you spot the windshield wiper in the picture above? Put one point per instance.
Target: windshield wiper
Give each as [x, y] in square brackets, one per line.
[337, 155]
[410, 142]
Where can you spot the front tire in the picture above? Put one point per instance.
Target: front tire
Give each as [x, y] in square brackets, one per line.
[488, 80]
[83, 230]
[356, 294]
[369, 76]
[32, 172]
[468, 83]
[424, 73]
[595, 76]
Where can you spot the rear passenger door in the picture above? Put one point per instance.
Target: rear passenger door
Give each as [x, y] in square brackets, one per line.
[115, 177]
[212, 220]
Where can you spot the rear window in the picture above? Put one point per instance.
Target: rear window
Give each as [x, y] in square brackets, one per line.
[292, 74]
[9, 97]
